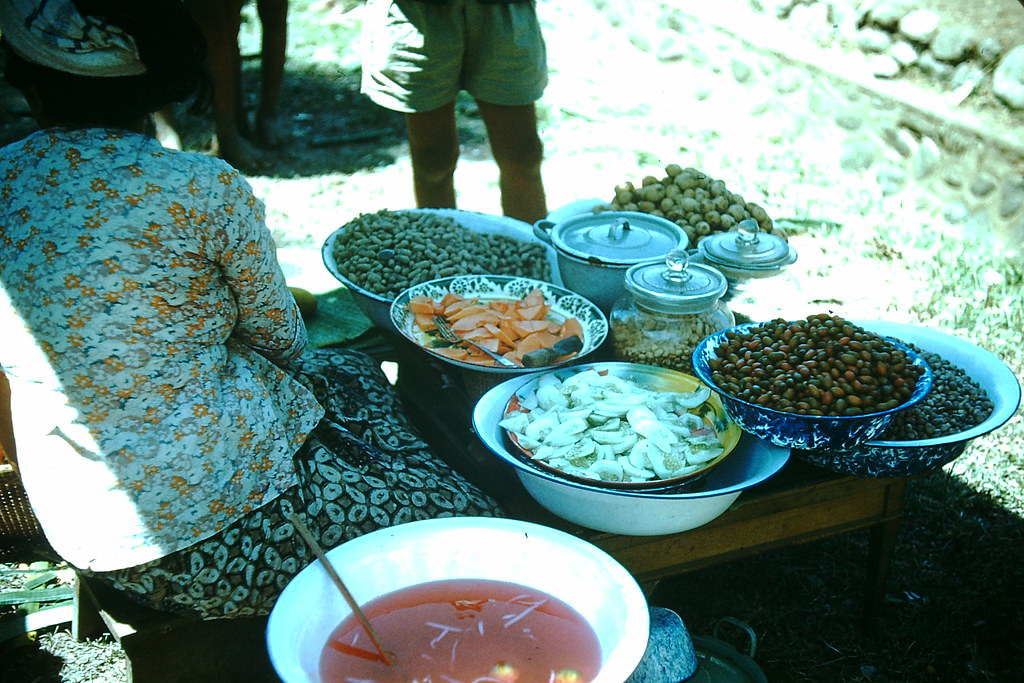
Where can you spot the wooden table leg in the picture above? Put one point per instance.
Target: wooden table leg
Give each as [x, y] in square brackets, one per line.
[880, 552]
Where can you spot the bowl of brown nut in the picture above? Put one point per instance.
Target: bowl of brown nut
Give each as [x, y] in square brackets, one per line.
[821, 382]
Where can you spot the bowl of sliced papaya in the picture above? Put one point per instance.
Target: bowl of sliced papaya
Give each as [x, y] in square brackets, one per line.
[499, 323]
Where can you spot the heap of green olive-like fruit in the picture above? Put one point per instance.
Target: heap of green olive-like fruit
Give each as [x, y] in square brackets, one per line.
[693, 200]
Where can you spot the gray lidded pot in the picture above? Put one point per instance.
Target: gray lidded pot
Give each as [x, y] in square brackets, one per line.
[595, 250]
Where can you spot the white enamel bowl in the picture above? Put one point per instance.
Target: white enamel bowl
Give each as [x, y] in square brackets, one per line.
[377, 307]
[884, 458]
[577, 572]
[631, 513]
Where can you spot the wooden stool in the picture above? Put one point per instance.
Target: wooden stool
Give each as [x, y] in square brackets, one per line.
[167, 648]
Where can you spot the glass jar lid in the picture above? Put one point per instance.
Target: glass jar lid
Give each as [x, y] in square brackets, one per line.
[618, 237]
[747, 249]
[675, 285]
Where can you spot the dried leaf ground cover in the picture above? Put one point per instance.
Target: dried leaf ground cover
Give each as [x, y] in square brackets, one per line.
[952, 606]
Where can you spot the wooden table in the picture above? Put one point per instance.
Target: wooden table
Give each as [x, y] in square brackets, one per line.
[801, 503]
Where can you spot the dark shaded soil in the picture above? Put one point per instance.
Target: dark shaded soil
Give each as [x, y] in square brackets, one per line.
[950, 614]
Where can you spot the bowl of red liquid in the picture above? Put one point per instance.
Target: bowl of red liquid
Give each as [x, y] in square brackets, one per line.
[463, 598]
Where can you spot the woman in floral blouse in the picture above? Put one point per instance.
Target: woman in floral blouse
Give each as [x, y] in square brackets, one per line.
[166, 415]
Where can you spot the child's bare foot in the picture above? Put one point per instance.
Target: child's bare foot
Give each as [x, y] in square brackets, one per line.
[235, 150]
[270, 130]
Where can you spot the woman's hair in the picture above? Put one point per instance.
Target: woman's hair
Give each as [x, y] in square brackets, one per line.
[169, 43]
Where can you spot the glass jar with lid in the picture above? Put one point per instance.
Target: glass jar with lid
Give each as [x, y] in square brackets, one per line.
[667, 308]
[754, 264]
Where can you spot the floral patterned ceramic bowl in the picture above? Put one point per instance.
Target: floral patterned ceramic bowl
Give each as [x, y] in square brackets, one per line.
[562, 305]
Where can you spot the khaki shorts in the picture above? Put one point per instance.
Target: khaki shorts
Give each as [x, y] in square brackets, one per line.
[417, 56]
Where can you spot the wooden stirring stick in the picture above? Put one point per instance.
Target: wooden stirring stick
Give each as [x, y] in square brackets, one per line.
[319, 552]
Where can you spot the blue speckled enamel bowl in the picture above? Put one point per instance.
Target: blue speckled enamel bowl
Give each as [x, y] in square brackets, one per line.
[882, 458]
[792, 430]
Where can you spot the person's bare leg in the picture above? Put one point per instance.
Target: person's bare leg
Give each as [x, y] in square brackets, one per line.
[220, 21]
[274, 20]
[434, 149]
[519, 153]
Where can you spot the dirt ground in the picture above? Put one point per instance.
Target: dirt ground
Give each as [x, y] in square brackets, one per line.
[774, 107]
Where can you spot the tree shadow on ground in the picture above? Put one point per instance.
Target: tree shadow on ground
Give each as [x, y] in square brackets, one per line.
[21, 657]
[15, 117]
[951, 611]
[24, 661]
[331, 126]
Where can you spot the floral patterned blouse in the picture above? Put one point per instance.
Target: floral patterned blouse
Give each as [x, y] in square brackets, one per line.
[143, 319]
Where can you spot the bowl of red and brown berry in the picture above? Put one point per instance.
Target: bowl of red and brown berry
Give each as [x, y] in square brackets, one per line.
[822, 382]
